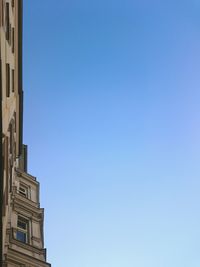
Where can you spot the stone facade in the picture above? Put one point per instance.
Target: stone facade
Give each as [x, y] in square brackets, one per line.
[22, 242]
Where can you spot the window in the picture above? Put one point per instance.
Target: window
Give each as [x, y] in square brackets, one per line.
[2, 13]
[7, 21]
[10, 35]
[15, 120]
[7, 80]
[13, 81]
[22, 229]
[13, 40]
[10, 174]
[11, 137]
[23, 190]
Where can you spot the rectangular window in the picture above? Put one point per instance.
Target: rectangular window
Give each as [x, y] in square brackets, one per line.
[22, 229]
[11, 137]
[10, 34]
[11, 175]
[13, 81]
[13, 40]
[2, 13]
[7, 21]
[7, 80]
[23, 190]
[15, 119]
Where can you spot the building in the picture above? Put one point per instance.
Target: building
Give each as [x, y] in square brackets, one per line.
[21, 229]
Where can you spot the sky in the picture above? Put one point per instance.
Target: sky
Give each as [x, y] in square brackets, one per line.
[112, 123]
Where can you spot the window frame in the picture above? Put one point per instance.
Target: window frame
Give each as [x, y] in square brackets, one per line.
[25, 190]
[7, 80]
[23, 231]
[13, 40]
[13, 80]
[7, 21]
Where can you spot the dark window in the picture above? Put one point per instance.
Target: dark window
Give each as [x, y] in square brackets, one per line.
[11, 175]
[7, 21]
[2, 14]
[10, 34]
[7, 80]
[15, 119]
[13, 40]
[22, 224]
[11, 137]
[13, 81]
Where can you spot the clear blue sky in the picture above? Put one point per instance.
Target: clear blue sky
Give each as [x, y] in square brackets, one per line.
[112, 121]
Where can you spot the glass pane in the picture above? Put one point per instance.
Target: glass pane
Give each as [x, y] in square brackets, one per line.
[22, 224]
[23, 194]
[21, 236]
[23, 191]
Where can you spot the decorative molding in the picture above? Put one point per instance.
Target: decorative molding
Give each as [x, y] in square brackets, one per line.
[21, 258]
[25, 246]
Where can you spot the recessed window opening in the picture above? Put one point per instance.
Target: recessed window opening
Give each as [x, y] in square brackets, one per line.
[22, 229]
[23, 190]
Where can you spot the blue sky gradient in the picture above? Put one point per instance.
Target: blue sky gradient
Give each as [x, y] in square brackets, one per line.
[112, 121]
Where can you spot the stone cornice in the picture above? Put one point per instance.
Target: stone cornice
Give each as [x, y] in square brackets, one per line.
[24, 200]
[26, 246]
[18, 257]
[21, 206]
[27, 176]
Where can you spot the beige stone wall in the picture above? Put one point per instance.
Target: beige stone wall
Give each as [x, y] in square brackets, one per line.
[10, 101]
